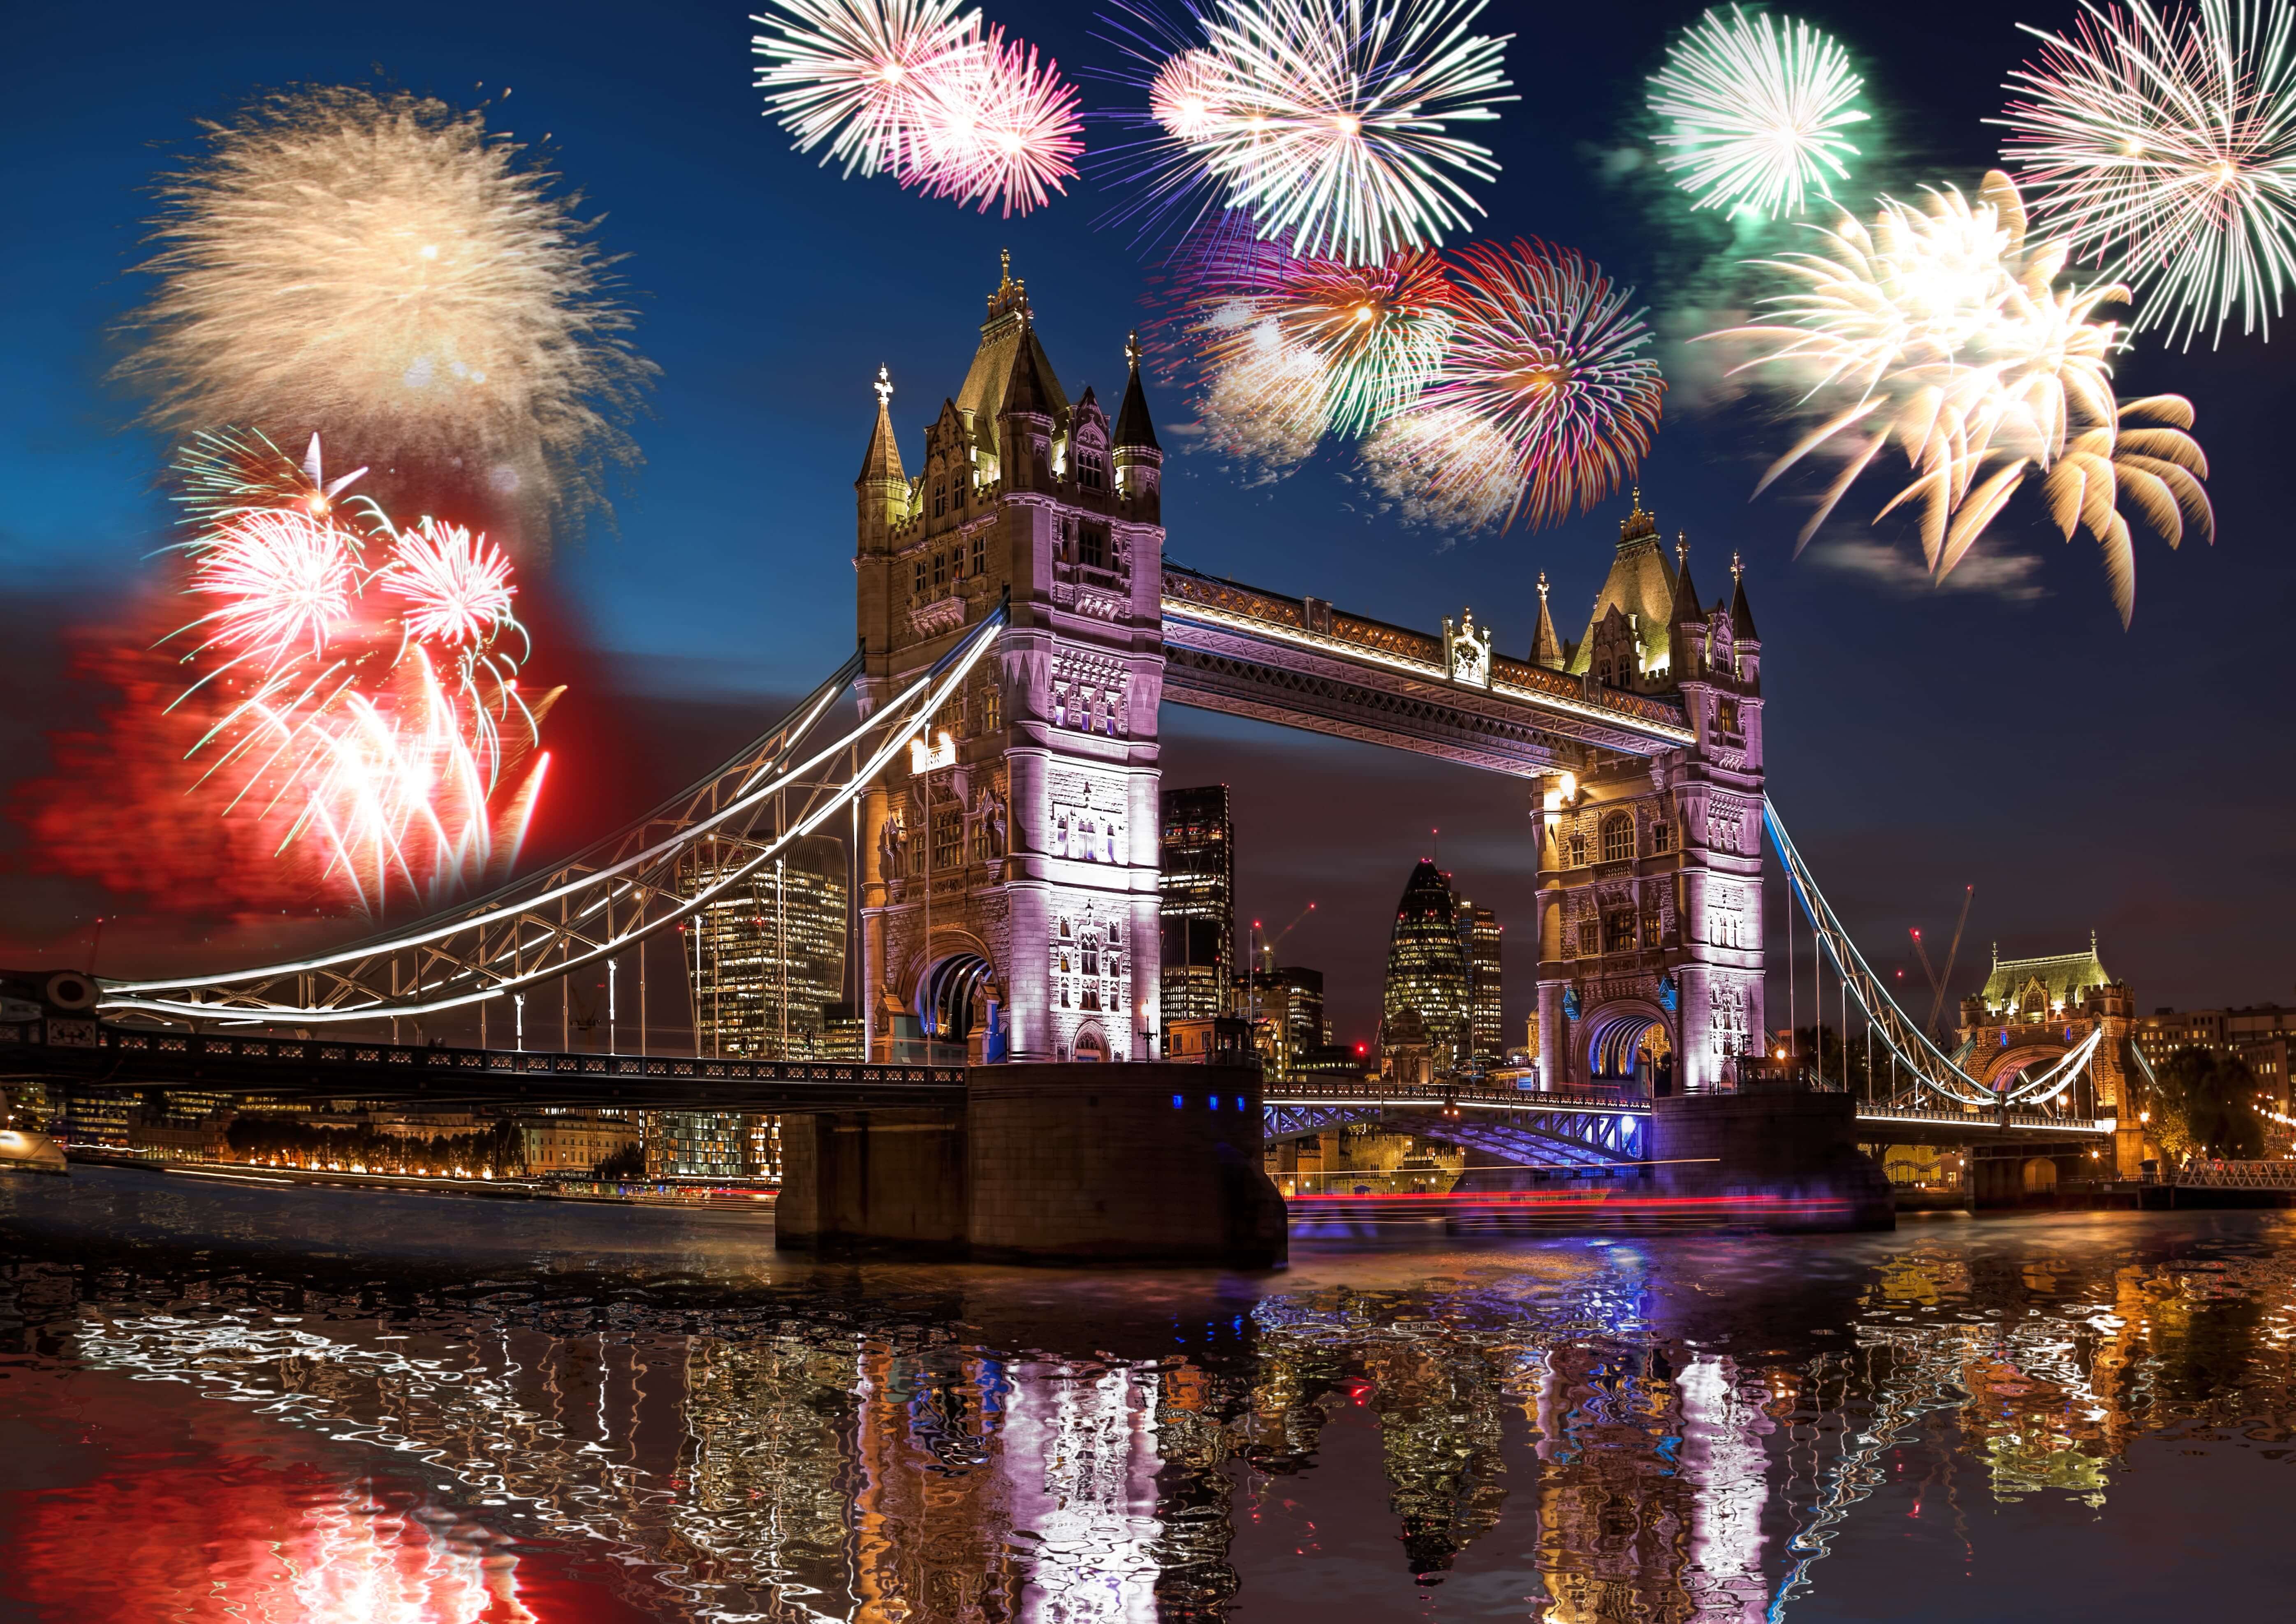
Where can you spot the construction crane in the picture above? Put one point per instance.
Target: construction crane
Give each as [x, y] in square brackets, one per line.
[1938, 983]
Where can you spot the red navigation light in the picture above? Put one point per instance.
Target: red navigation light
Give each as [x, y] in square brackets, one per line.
[1363, 1049]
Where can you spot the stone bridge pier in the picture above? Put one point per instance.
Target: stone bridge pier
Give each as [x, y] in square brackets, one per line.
[1058, 1164]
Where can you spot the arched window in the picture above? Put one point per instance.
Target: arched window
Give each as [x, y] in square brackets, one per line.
[1617, 838]
[1087, 840]
[1092, 470]
[1577, 850]
[1662, 836]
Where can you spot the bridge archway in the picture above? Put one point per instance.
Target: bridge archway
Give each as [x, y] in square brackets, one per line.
[958, 1001]
[1628, 1040]
[2004, 1066]
[1554, 1141]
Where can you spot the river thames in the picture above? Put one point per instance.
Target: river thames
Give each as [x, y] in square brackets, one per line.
[230, 1402]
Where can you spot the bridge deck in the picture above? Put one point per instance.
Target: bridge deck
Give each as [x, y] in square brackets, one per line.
[88, 1054]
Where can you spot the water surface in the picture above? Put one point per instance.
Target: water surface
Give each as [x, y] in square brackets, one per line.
[230, 1402]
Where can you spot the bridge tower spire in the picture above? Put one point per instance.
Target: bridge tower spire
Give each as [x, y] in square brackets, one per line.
[1009, 899]
[1650, 899]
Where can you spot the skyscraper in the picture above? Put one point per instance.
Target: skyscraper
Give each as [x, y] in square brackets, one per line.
[1479, 934]
[768, 956]
[1290, 1003]
[1197, 899]
[1427, 970]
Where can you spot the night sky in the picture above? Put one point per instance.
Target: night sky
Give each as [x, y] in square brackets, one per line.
[2004, 731]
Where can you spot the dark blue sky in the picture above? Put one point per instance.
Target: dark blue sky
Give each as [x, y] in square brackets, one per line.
[2004, 732]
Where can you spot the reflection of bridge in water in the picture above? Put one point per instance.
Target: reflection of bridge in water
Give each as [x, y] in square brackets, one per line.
[1619, 1441]
[997, 779]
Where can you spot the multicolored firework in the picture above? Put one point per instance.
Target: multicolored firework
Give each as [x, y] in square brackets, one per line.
[383, 270]
[913, 89]
[1546, 356]
[1371, 336]
[1327, 121]
[1751, 111]
[1941, 331]
[357, 688]
[2164, 148]
[850, 71]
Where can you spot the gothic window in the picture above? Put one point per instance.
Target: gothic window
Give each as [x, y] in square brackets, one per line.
[1619, 931]
[948, 838]
[980, 851]
[1115, 935]
[1108, 852]
[1589, 936]
[1108, 718]
[1726, 714]
[1650, 927]
[1092, 547]
[1060, 708]
[1578, 849]
[1087, 839]
[1065, 933]
[1617, 838]
[940, 500]
[981, 554]
[940, 570]
[992, 706]
[1091, 960]
[1662, 838]
[1091, 1000]
[917, 858]
[920, 577]
[1092, 470]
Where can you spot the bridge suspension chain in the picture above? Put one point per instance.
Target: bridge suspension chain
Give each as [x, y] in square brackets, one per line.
[648, 877]
[1931, 1067]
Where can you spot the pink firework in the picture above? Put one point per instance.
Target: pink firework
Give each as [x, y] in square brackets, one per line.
[994, 126]
[287, 577]
[456, 585]
[850, 71]
[1544, 351]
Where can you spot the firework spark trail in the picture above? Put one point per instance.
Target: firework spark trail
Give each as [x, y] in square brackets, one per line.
[2164, 147]
[850, 71]
[383, 270]
[1941, 331]
[360, 706]
[1752, 111]
[993, 125]
[1546, 355]
[1327, 121]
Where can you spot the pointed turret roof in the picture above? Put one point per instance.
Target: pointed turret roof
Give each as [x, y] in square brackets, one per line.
[1004, 336]
[1134, 426]
[1686, 595]
[1741, 616]
[1026, 390]
[883, 461]
[1546, 647]
[1641, 583]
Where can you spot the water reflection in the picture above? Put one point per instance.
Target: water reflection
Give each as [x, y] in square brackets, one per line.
[1676, 1430]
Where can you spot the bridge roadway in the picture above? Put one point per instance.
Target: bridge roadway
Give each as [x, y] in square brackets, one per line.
[101, 1055]
[1581, 1128]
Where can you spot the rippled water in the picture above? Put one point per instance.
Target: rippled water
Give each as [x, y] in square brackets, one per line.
[223, 1401]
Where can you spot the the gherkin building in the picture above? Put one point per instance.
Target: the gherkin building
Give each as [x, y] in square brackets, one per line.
[1427, 965]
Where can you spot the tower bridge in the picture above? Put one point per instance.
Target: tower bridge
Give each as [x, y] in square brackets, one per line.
[1019, 632]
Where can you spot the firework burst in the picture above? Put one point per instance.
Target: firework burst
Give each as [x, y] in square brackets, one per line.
[1752, 111]
[1545, 354]
[358, 692]
[2165, 149]
[1328, 121]
[383, 268]
[1941, 331]
[994, 126]
[850, 72]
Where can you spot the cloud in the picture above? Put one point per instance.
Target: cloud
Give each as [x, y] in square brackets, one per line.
[1185, 431]
[2015, 576]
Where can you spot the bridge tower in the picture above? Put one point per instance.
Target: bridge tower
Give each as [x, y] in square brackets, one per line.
[1009, 865]
[1650, 894]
